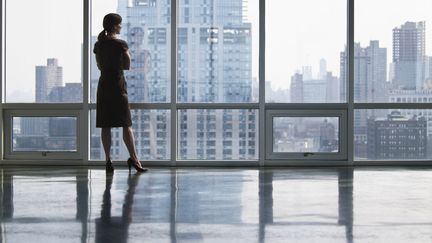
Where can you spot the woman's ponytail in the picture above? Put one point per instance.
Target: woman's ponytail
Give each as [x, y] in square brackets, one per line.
[109, 21]
[101, 36]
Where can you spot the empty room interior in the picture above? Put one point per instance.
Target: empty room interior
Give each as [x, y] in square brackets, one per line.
[216, 121]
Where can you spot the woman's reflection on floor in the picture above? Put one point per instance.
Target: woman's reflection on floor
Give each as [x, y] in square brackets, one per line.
[115, 229]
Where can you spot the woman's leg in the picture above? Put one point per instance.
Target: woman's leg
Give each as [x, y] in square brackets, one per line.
[129, 141]
[106, 142]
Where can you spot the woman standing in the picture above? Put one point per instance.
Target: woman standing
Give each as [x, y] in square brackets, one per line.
[112, 105]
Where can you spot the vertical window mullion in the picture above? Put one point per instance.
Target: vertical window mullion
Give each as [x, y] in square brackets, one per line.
[350, 78]
[84, 143]
[174, 14]
[2, 80]
[261, 80]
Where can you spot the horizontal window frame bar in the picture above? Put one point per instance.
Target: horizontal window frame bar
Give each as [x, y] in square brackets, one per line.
[42, 113]
[268, 106]
[306, 106]
[167, 106]
[384, 106]
[141, 106]
[43, 106]
[182, 106]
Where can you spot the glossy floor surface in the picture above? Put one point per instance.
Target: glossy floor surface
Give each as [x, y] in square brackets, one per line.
[80, 204]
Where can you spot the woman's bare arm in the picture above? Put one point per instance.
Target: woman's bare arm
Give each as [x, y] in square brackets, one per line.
[98, 62]
[126, 60]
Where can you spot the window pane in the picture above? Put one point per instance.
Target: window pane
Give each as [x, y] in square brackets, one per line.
[218, 134]
[303, 44]
[44, 51]
[44, 134]
[305, 134]
[146, 28]
[151, 132]
[218, 51]
[392, 134]
[393, 63]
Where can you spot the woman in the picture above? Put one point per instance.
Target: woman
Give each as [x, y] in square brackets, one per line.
[112, 106]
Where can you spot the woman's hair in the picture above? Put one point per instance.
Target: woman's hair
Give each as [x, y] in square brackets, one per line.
[109, 21]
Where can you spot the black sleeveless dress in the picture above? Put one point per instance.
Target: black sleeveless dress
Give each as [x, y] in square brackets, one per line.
[112, 105]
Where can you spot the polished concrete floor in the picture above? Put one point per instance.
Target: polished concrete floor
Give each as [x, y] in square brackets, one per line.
[80, 204]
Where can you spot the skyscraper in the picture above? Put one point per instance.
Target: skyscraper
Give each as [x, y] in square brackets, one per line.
[297, 88]
[409, 55]
[323, 68]
[370, 85]
[48, 77]
[377, 85]
[370, 73]
[332, 88]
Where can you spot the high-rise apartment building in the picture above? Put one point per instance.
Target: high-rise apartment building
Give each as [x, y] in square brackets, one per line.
[414, 96]
[370, 73]
[48, 77]
[409, 48]
[296, 88]
[397, 137]
[322, 68]
[377, 86]
[370, 85]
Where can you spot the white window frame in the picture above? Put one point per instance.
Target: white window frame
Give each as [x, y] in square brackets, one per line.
[342, 135]
[41, 155]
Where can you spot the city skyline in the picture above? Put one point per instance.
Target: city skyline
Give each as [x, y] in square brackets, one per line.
[18, 89]
[315, 73]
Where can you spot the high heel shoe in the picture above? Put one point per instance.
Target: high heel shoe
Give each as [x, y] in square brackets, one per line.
[136, 165]
[109, 168]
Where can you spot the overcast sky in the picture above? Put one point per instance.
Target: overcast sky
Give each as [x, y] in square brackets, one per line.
[298, 33]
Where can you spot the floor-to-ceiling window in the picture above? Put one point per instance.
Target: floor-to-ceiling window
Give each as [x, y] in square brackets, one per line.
[393, 80]
[42, 68]
[233, 82]
[302, 73]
